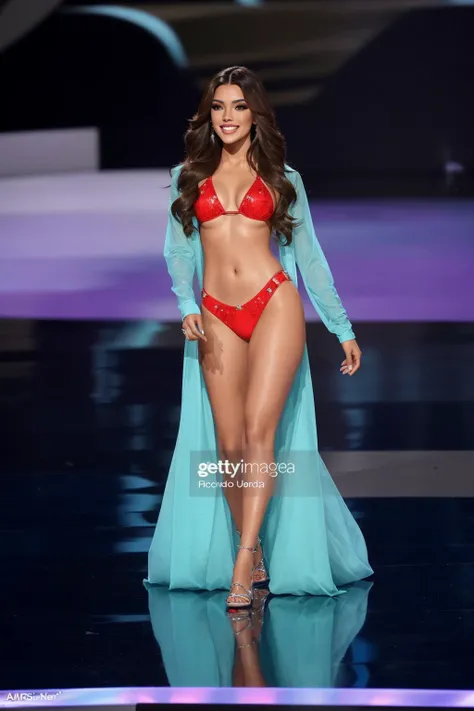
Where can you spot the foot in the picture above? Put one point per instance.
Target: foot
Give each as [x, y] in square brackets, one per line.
[259, 574]
[240, 594]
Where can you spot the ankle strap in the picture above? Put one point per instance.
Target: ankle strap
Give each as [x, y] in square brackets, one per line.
[259, 540]
[247, 548]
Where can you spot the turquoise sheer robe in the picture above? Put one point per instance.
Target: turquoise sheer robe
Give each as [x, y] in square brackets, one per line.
[312, 544]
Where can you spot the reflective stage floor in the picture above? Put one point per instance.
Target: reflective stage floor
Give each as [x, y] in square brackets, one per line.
[88, 415]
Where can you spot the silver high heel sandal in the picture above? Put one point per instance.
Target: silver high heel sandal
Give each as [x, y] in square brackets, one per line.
[248, 593]
[260, 582]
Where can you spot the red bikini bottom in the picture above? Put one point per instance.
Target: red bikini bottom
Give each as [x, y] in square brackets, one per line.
[243, 318]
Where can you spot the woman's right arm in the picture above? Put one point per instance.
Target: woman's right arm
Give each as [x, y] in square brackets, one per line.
[179, 257]
[181, 263]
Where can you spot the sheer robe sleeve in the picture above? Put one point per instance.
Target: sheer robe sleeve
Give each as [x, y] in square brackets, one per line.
[314, 268]
[179, 256]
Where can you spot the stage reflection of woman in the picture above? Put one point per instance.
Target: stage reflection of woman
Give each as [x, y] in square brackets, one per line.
[234, 184]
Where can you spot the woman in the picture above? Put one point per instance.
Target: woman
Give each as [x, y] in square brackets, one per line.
[247, 401]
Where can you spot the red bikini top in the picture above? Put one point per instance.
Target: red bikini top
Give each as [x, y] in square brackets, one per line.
[257, 203]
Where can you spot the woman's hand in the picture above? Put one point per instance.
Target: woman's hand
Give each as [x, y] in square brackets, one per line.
[192, 327]
[353, 354]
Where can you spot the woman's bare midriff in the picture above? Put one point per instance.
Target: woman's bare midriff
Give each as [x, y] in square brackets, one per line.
[237, 257]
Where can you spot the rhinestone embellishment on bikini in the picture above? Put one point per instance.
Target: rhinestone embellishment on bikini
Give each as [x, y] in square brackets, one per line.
[239, 307]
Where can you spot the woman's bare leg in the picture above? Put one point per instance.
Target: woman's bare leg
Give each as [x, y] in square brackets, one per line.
[224, 360]
[275, 352]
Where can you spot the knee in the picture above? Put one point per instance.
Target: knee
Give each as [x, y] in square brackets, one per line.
[230, 447]
[258, 433]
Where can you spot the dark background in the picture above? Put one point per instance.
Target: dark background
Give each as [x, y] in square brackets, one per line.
[372, 97]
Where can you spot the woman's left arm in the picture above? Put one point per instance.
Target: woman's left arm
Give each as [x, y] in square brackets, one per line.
[318, 278]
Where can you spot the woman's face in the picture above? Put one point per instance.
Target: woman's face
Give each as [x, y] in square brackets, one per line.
[230, 116]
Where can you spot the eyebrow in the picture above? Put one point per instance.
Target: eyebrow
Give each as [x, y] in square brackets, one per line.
[234, 101]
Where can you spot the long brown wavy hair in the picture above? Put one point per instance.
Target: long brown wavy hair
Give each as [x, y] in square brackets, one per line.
[266, 155]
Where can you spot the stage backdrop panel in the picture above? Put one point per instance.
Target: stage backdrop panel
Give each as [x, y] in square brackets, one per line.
[89, 245]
